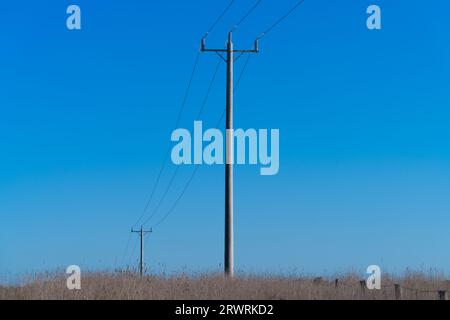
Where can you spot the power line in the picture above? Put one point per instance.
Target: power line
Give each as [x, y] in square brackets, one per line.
[163, 165]
[183, 104]
[211, 28]
[134, 247]
[242, 72]
[161, 200]
[178, 199]
[236, 85]
[249, 12]
[166, 156]
[161, 169]
[205, 99]
[126, 249]
[172, 179]
[277, 22]
[180, 196]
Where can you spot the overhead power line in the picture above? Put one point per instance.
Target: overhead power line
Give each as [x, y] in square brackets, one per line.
[249, 12]
[166, 156]
[277, 22]
[186, 94]
[126, 250]
[161, 169]
[191, 177]
[211, 28]
[134, 248]
[229, 173]
[174, 205]
[211, 83]
[161, 200]
[172, 179]
[236, 85]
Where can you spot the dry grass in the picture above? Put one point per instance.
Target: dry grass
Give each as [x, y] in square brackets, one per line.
[127, 285]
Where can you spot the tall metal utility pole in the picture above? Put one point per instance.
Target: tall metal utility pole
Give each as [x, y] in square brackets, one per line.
[142, 233]
[229, 252]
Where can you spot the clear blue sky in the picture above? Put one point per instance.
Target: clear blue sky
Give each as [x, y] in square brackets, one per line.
[363, 115]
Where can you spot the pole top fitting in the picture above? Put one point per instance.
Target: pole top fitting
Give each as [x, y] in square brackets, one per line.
[256, 45]
[203, 44]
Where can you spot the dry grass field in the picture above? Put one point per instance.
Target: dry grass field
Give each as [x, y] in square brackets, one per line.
[127, 285]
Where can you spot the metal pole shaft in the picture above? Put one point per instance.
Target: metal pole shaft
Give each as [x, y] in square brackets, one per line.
[229, 237]
[229, 254]
[141, 269]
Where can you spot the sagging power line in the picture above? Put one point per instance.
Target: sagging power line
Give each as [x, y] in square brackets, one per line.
[202, 107]
[278, 21]
[186, 94]
[211, 28]
[187, 91]
[191, 177]
[229, 123]
[229, 226]
[166, 156]
[249, 12]
[175, 173]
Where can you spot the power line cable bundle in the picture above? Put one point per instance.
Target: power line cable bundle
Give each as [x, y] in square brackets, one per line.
[182, 107]
[186, 94]
[278, 21]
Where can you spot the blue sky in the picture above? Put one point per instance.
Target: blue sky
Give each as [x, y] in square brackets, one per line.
[86, 117]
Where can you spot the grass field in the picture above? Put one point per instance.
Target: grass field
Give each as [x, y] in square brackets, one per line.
[127, 285]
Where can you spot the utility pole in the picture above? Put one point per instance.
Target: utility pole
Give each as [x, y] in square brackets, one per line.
[142, 233]
[229, 246]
